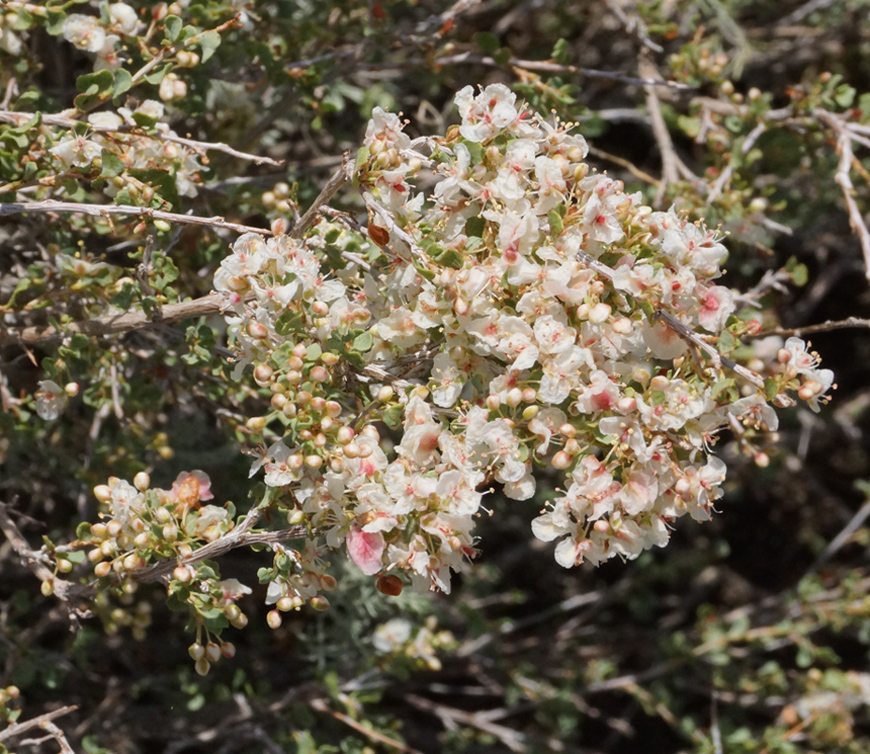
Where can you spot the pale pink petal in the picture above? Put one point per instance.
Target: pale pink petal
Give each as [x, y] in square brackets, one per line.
[365, 550]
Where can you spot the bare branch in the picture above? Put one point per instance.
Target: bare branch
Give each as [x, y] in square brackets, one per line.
[844, 180]
[321, 706]
[550, 67]
[841, 324]
[42, 721]
[338, 180]
[691, 337]
[662, 137]
[20, 118]
[110, 324]
[105, 210]
[724, 179]
[241, 536]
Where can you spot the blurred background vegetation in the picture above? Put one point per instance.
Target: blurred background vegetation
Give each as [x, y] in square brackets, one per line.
[747, 634]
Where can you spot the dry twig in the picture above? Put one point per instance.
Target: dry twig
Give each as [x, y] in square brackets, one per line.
[844, 180]
[105, 210]
[20, 118]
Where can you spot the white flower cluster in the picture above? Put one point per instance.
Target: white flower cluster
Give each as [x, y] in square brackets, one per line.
[137, 151]
[525, 312]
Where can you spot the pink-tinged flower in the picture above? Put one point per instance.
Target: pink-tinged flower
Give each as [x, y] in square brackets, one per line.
[600, 394]
[191, 487]
[366, 550]
[487, 114]
[717, 304]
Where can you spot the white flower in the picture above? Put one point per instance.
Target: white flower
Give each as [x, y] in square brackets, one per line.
[51, 400]
[487, 114]
[392, 635]
[124, 17]
[84, 32]
[77, 151]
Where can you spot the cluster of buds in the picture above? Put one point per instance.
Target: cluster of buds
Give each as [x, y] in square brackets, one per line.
[296, 579]
[142, 525]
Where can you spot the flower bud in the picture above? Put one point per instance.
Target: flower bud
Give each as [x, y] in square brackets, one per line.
[196, 651]
[273, 619]
[390, 585]
[258, 330]
[103, 493]
[561, 460]
[103, 569]
[212, 651]
[386, 393]
[181, 573]
[142, 481]
[262, 374]
[202, 666]
[228, 649]
[256, 423]
[319, 602]
[530, 412]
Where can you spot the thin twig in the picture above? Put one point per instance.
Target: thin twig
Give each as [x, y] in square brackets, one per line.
[512, 739]
[723, 180]
[338, 180]
[110, 324]
[549, 67]
[680, 329]
[42, 721]
[241, 536]
[321, 706]
[840, 324]
[105, 210]
[842, 538]
[630, 167]
[633, 25]
[662, 137]
[20, 118]
[844, 180]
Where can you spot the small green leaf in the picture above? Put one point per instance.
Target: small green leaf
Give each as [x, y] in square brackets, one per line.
[451, 258]
[112, 165]
[475, 226]
[173, 26]
[727, 342]
[487, 42]
[363, 342]
[95, 83]
[208, 43]
[123, 82]
[156, 77]
[555, 222]
[560, 52]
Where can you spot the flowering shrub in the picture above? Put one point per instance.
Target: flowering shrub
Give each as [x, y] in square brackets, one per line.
[486, 335]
